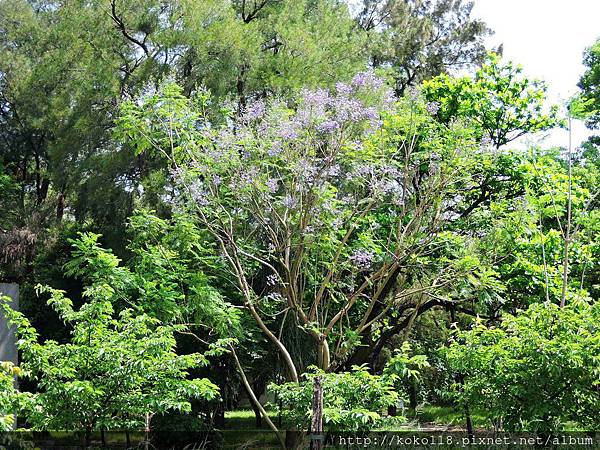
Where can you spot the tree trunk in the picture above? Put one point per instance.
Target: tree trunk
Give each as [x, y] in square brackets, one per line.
[412, 393]
[219, 415]
[147, 432]
[60, 206]
[254, 400]
[323, 353]
[469, 423]
[392, 410]
[88, 437]
[316, 425]
[293, 439]
[259, 389]
[461, 381]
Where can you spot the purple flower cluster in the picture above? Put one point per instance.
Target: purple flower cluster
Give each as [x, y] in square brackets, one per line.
[272, 185]
[289, 202]
[289, 130]
[198, 193]
[334, 170]
[248, 177]
[362, 259]
[254, 111]
[367, 80]
[344, 89]
[486, 143]
[433, 108]
[275, 149]
[337, 223]
[392, 187]
[328, 126]
[314, 103]
[363, 171]
[329, 111]
[307, 170]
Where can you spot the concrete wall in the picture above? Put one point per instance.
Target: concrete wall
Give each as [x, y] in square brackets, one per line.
[8, 348]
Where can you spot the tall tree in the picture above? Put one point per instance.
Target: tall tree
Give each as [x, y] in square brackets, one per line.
[332, 214]
[588, 105]
[419, 39]
[65, 67]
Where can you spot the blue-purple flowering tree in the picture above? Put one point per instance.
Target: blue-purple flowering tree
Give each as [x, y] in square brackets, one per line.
[331, 213]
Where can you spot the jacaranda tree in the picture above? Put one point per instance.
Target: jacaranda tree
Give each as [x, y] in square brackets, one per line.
[331, 214]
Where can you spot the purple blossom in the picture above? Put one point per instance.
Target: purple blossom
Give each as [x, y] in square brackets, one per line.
[198, 193]
[392, 187]
[343, 89]
[272, 185]
[363, 171]
[289, 130]
[328, 126]
[391, 171]
[362, 259]
[216, 154]
[289, 202]
[334, 170]
[413, 93]
[374, 125]
[248, 177]
[306, 170]
[370, 113]
[347, 109]
[433, 108]
[216, 179]
[254, 110]
[389, 99]
[486, 142]
[275, 149]
[367, 79]
[316, 100]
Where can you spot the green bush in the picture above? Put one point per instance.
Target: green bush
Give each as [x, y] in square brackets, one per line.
[352, 400]
[537, 370]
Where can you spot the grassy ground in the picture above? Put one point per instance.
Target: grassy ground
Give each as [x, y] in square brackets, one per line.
[448, 416]
[424, 416]
[242, 419]
[240, 431]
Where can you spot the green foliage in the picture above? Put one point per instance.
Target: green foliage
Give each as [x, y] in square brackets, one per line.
[590, 86]
[586, 105]
[403, 366]
[529, 230]
[352, 400]
[504, 103]
[10, 399]
[166, 277]
[114, 370]
[535, 370]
